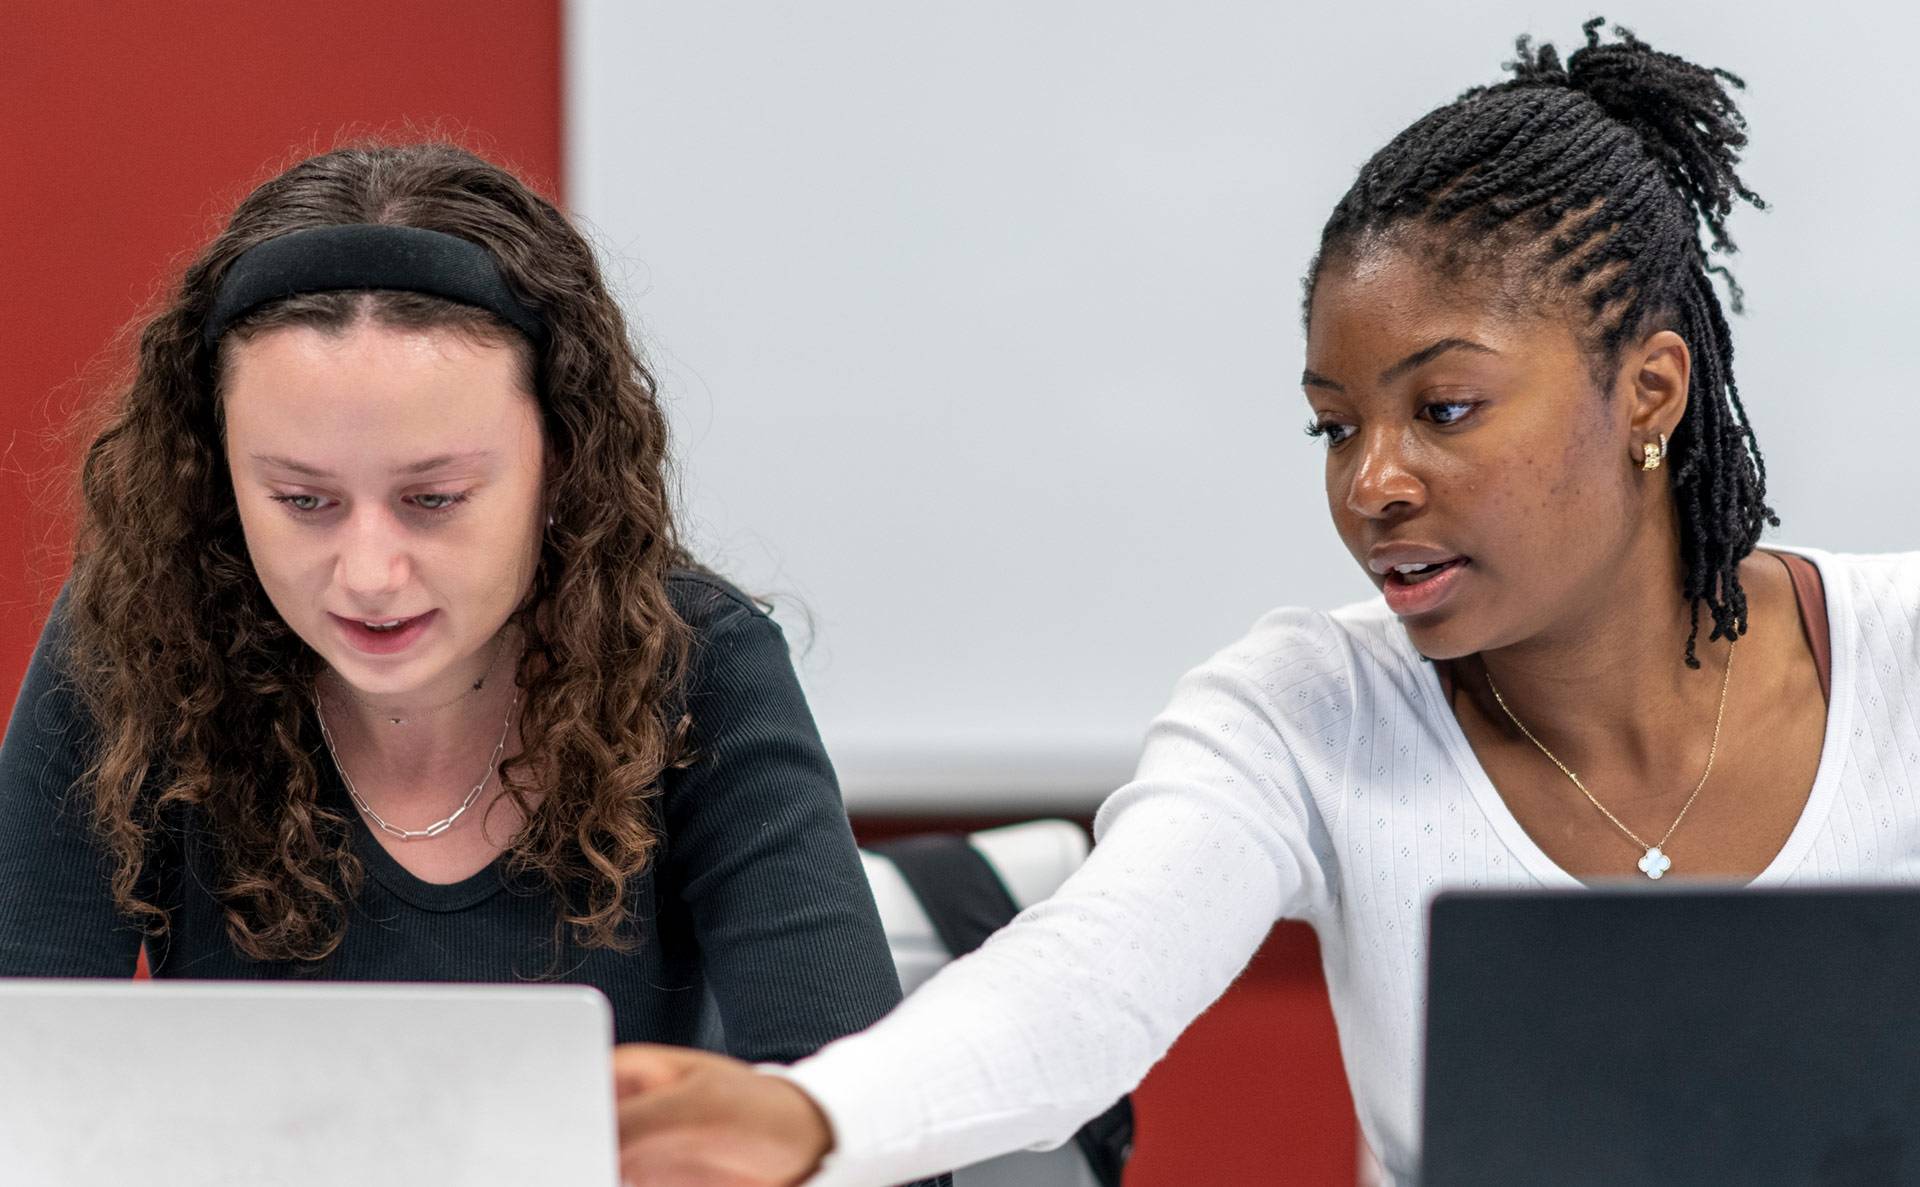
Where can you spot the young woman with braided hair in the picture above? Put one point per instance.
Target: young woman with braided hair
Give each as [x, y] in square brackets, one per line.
[1522, 376]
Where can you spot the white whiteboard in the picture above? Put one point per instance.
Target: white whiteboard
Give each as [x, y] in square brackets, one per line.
[979, 326]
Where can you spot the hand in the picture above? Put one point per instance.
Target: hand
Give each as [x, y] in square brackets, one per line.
[693, 1119]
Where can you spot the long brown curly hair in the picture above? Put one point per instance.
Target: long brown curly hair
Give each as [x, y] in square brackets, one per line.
[193, 679]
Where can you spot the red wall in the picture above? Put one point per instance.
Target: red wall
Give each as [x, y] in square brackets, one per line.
[133, 127]
[1254, 1094]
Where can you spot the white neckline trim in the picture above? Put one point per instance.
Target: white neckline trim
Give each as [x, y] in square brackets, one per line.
[1826, 780]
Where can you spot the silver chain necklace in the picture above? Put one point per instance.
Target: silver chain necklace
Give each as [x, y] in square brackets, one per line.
[438, 826]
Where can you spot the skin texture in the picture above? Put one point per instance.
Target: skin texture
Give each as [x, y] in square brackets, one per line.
[693, 1119]
[1499, 449]
[1506, 452]
[326, 435]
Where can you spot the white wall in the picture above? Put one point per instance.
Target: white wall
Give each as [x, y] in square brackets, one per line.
[979, 322]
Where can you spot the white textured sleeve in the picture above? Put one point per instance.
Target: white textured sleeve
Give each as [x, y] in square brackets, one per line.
[1066, 1008]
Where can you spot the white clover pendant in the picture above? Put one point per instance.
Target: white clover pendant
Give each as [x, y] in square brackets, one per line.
[1655, 863]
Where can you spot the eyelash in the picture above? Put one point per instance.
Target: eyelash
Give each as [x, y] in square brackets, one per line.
[1325, 429]
[292, 503]
[1469, 405]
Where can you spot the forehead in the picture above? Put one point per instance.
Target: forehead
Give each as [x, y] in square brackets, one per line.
[1379, 302]
[375, 389]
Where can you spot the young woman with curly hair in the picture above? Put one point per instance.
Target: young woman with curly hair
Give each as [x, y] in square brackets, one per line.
[381, 658]
[1520, 370]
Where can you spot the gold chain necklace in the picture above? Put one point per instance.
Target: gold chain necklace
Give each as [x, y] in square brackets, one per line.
[1655, 863]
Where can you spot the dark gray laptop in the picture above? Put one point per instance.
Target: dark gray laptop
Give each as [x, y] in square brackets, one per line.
[1674, 1036]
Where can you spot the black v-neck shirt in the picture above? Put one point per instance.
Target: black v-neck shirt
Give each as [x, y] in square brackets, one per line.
[758, 930]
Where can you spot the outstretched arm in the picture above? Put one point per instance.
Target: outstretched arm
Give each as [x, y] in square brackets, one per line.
[1058, 1014]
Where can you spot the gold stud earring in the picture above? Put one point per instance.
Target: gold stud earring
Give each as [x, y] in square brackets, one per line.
[1652, 455]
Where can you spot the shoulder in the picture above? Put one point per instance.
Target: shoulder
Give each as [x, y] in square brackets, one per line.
[1265, 728]
[736, 652]
[1302, 674]
[1308, 686]
[1863, 569]
[1873, 618]
[1878, 591]
[709, 604]
[1293, 654]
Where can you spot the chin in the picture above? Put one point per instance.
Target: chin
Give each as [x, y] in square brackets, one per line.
[375, 675]
[368, 680]
[1443, 639]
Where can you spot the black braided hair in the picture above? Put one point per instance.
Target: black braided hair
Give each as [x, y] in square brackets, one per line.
[1591, 181]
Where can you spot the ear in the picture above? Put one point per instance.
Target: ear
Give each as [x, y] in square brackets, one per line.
[1654, 376]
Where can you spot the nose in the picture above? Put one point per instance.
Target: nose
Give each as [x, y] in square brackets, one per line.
[373, 562]
[1383, 483]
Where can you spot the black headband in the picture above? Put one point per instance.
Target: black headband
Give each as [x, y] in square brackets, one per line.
[368, 256]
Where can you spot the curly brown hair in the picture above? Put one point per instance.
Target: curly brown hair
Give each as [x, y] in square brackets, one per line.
[193, 679]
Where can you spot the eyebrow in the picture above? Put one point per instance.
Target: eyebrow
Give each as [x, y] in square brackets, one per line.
[1419, 358]
[420, 467]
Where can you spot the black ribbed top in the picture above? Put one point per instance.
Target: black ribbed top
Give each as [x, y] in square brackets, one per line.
[757, 921]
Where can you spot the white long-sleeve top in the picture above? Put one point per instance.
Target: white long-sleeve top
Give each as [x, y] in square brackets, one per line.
[1312, 770]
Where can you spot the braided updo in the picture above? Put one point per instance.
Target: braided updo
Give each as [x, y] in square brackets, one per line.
[1590, 182]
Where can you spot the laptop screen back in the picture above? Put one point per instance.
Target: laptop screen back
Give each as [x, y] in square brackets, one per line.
[164, 1083]
[1674, 1036]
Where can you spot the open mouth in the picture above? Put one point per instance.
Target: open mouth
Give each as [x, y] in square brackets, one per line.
[1411, 575]
[383, 636]
[1422, 587]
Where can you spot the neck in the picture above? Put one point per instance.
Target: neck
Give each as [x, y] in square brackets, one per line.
[1612, 679]
[429, 735]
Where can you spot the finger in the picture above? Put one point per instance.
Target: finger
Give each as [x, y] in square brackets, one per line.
[653, 1172]
[648, 1172]
[669, 1118]
[708, 1124]
[643, 1067]
[677, 1133]
[658, 1148]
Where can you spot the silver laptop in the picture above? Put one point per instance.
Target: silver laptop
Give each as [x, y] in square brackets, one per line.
[170, 1084]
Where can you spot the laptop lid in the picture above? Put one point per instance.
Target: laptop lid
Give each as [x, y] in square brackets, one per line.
[171, 1083]
[1673, 1035]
